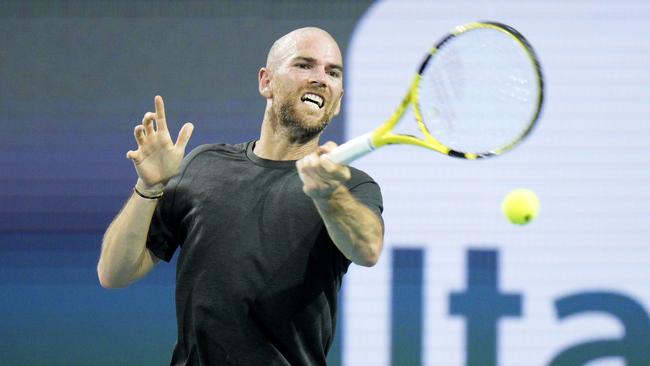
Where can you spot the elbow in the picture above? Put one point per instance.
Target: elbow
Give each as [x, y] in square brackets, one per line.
[370, 256]
[367, 261]
[108, 282]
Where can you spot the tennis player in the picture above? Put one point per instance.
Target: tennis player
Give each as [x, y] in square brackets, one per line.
[266, 228]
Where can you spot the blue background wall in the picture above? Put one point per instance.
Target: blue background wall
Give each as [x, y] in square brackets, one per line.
[75, 78]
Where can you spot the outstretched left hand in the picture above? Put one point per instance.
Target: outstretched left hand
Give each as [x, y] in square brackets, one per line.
[321, 176]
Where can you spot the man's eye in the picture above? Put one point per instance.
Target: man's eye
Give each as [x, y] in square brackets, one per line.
[303, 66]
[335, 74]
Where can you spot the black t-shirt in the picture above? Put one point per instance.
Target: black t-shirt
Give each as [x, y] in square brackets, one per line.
[258, 276]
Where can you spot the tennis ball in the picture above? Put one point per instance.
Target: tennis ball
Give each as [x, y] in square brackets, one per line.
[520, 206]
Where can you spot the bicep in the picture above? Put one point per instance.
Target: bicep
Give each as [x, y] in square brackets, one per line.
[147, 262]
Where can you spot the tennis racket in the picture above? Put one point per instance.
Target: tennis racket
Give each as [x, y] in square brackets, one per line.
[477, 94]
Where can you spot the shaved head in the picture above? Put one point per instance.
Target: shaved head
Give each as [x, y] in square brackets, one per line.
[302, 83]
[287, 45]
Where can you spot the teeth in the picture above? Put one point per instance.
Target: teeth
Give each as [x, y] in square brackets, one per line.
[313, 98]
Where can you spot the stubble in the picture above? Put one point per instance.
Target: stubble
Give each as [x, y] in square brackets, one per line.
[296, 130]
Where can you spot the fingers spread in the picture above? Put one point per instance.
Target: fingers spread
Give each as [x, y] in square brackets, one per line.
[184, 135]
[147, 122]
[132, 155]
[161, 121]
[138, 133]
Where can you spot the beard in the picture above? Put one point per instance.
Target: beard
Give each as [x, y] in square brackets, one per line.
[296, 130]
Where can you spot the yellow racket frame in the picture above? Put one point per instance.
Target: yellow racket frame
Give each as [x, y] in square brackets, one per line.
[383, 135]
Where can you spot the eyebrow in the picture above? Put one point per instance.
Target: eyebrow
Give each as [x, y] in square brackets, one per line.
[313, 60]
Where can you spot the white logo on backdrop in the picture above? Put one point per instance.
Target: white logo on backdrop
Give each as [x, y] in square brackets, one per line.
[587, 160]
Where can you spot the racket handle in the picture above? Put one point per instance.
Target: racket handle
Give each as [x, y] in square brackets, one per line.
[352, 150]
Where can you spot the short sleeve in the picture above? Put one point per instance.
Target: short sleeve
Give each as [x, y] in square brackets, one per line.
[367, 191]
[160, 238]
[163, 238]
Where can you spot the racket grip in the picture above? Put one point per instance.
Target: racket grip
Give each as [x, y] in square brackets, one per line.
[352, 150]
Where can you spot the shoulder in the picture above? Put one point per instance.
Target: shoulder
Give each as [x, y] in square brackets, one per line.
[204, 156]
[359, 177]
[222, 149]
[364, 188]
[214, 152]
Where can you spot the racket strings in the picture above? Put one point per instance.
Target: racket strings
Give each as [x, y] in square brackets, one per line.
[479, 93]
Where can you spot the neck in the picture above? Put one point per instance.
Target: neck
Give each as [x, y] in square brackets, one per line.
[274, 142]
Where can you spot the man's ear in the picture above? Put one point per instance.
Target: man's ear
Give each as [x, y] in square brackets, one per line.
[338, 105]
[264, 83]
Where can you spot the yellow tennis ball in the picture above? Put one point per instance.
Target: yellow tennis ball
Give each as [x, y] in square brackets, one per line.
[520, 206]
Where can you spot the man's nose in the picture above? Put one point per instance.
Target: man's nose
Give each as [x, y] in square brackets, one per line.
[318, 76]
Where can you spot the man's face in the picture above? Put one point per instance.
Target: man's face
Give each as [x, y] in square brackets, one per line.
[307, 85]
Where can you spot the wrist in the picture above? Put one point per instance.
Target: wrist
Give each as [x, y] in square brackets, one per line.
[148, 191]
[328, 197]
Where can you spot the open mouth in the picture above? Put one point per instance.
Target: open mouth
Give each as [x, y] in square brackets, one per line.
[313, 99]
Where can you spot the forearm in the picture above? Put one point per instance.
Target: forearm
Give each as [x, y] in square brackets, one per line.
[124, 256]
[354, 228]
